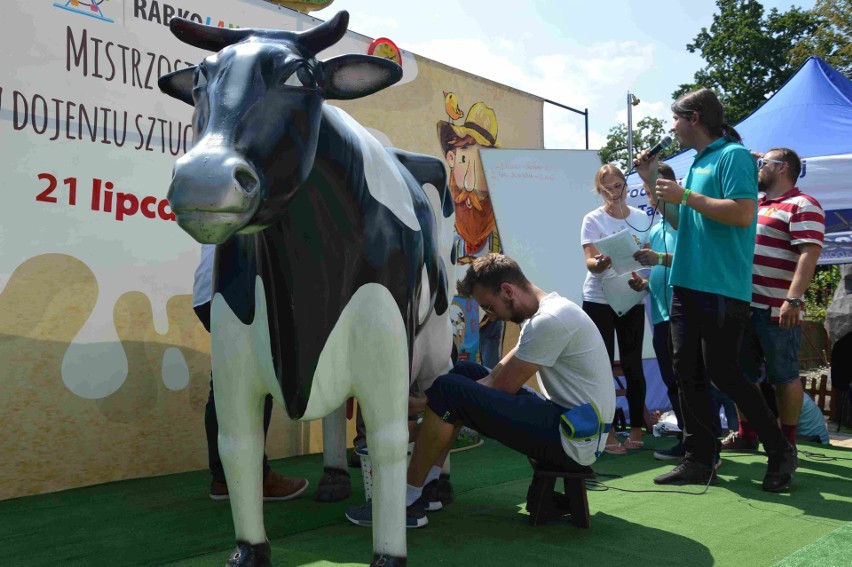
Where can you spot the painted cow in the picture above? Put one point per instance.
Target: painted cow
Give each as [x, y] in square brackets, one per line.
[331, 267]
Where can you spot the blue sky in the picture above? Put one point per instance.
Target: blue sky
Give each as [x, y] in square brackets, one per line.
[581, 54]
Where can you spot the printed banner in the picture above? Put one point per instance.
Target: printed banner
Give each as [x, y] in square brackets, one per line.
[104, 360]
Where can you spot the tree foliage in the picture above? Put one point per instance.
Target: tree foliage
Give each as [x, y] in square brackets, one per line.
[646, 133]
[820, 292]
[747, 52]
[832, 38]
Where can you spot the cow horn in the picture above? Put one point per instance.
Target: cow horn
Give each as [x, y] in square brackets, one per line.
[326, 34]
[210, 38]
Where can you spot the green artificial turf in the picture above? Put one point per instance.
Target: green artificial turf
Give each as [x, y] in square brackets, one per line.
[832, 550]
[169, 520]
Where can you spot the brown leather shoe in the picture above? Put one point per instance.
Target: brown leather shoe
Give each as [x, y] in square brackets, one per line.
[277, 487]
[218, 491]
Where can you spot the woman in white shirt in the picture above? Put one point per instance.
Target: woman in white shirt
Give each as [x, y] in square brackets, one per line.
[613, 217]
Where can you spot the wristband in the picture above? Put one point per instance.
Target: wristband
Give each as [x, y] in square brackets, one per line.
[661, 259]
[686, 193]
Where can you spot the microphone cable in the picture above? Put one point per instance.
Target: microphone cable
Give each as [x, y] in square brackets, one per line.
[627, 212]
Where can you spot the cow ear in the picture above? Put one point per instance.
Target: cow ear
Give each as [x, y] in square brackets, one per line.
[353, 76]
[179, 84]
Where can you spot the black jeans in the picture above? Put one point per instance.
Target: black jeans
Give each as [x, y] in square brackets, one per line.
[707, 332]
[211, 423]
[630, 330]
[662, 348]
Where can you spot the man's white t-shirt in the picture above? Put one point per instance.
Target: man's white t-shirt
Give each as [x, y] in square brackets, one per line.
[599, 224]
[575, 367]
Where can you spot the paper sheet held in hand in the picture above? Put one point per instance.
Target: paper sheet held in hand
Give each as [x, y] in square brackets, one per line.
[619, 294]
[620, 247]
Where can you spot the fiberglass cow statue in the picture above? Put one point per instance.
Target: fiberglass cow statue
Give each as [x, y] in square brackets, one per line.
[332, 257]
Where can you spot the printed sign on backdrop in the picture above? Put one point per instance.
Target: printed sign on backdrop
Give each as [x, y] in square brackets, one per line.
[96, 318]
[105, 361]
[92, 142]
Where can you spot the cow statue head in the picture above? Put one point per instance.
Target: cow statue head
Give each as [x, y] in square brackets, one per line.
[258, 107]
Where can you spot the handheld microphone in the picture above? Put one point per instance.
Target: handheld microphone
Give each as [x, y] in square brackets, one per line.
[664, 143]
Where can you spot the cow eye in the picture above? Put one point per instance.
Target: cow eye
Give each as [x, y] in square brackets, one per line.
[302, 77]
[293, 81]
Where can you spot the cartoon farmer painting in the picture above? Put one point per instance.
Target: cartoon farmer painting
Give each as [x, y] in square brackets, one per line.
[476, 228]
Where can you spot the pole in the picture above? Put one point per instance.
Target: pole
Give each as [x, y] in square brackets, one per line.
[629, 131]
[583, 112]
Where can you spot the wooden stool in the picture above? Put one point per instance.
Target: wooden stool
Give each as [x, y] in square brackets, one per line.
[545, 504]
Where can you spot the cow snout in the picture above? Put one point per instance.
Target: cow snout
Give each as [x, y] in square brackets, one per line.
[214, 194]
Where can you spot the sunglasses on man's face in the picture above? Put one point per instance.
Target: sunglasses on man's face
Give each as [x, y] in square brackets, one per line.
[763, 161]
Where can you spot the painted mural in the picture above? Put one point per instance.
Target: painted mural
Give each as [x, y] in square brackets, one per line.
[476, 228]
[476, 232]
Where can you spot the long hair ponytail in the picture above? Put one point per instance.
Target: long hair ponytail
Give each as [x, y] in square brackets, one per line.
[731, 134]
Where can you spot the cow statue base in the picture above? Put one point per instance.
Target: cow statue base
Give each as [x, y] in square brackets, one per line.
[248, 555]
[251, 555]
[330, 274]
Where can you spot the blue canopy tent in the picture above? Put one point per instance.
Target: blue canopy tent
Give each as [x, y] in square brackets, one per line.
[811, 114]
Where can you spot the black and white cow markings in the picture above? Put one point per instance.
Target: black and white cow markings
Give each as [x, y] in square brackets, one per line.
[331, 272]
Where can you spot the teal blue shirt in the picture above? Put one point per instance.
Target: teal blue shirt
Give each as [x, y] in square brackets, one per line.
[662, 239]
[710, 256]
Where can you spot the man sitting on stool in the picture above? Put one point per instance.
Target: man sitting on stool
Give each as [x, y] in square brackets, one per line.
[559, 341]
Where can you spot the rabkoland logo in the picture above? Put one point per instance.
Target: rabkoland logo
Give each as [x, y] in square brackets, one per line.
[158, 12]
[91, 8]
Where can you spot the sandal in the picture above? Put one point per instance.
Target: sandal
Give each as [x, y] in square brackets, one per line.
[630, 444]
[616, 449]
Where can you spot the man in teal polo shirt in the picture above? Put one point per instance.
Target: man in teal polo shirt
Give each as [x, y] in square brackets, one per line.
[714, 214]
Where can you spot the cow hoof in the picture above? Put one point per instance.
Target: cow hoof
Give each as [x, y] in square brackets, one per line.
[334, 486]
[248, 555]
[388, 561]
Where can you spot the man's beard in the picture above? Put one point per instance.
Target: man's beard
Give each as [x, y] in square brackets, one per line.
[763, 183]
[515, 317]
[475, 223]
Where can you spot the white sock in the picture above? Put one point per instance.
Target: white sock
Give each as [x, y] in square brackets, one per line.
[412, 493]
[434, 473]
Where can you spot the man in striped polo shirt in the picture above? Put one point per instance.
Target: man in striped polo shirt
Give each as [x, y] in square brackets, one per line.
[790, 230]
